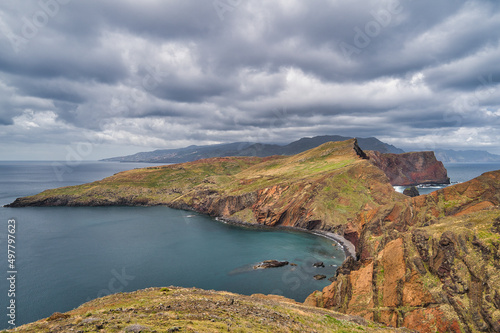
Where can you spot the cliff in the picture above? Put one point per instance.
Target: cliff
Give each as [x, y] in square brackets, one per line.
[410, 168]
[430, 263]
[194, 310]
[322, 188]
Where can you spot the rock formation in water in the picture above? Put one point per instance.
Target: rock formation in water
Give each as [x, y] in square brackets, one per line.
[270, 264]
[410, 169]
[430, 263]
[411, 191]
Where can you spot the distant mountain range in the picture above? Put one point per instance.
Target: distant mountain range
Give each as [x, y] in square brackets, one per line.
[193, 153]
[449, 155]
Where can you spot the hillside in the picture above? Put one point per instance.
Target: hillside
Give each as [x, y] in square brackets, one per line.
[193, 153]
[322, 188]
[430, 263]
[194, 310]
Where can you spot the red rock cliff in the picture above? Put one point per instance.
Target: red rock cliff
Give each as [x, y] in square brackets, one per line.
[410, 168]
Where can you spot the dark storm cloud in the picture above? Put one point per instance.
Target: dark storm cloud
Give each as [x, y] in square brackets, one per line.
[157, 73]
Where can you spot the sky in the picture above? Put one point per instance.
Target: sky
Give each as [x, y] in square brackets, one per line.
[101, 78]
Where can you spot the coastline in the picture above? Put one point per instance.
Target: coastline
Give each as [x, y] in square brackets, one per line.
[348, 247]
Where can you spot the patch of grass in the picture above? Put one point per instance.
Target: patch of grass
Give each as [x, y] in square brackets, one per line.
[343, 325]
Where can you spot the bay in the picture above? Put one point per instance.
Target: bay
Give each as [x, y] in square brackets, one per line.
[68, 255]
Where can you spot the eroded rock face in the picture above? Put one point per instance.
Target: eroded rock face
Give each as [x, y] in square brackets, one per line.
[430, 263]
[409, 169]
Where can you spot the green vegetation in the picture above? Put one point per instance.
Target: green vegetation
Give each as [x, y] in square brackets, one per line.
[196, 310]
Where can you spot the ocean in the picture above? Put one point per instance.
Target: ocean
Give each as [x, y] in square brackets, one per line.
[65, 256]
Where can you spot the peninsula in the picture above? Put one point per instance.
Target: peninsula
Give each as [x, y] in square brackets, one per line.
[322, 189]
[429, 263]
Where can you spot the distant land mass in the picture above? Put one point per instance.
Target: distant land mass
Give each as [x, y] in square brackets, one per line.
[449, 155]
[194, 153]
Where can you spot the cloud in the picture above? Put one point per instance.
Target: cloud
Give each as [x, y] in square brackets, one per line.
[156, 74]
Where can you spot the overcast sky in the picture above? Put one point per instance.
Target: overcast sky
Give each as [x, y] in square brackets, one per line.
[101, 78]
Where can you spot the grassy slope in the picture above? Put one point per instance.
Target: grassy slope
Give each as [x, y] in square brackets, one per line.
[194, 310]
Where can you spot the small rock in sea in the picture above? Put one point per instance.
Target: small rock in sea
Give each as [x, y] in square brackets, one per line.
[137, 328]
[293, 264]
[270, 264]
[319, 264]
[411, 192]
[319, 277]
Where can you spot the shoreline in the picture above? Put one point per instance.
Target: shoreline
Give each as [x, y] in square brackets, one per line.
[348, 247]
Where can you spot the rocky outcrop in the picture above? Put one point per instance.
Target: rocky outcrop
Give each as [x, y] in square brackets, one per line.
[409, 169]
[430, 263]
[411, 191]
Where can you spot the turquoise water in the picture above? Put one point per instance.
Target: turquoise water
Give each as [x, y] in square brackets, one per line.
[68, 255]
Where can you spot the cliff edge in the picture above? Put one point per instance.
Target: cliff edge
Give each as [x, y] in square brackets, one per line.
[409, 169]
[430, 263]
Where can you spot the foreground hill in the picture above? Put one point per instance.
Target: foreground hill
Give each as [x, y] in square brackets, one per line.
[193, 153]
[430, 263]
[194, 310]
[322, 188]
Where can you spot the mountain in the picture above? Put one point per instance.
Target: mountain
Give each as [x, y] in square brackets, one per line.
[176, 309]
[193, 153]
[449, 155]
